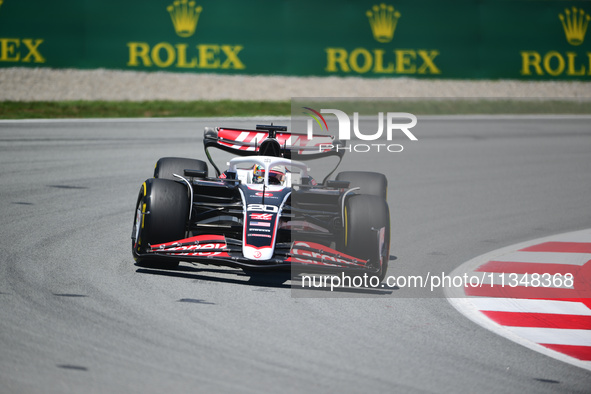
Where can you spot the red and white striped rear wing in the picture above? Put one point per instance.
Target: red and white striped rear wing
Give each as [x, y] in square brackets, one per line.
[247, 142]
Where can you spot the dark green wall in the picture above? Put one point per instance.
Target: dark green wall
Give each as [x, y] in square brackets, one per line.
[516, 39]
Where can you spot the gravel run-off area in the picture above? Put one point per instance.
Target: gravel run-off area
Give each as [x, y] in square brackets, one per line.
[42, 84]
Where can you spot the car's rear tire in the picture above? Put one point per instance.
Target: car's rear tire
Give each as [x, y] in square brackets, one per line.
[372, 183]
[365, 217]
[162, 211]
[167, 166]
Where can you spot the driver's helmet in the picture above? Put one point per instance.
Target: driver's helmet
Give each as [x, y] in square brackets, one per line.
[276, 175]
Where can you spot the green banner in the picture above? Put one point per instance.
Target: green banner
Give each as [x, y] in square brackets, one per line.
[514, 39]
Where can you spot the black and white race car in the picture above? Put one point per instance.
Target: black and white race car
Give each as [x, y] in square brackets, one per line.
[265, 211]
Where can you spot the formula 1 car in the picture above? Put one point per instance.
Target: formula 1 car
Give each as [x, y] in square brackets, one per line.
[265, 211]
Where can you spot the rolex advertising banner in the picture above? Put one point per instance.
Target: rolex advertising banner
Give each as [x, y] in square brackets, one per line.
[515, 39]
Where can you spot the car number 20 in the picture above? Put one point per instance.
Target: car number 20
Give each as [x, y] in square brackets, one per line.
[262, 208]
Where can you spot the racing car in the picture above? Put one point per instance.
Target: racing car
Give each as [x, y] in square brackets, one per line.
[264, 211]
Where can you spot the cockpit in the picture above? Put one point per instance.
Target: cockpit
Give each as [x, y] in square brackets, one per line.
[267, 170]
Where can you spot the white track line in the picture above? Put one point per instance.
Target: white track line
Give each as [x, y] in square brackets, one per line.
[546, 258]
[530, 306]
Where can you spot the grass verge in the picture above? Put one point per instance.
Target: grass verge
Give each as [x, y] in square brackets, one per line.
[143, 109]
[129, 109]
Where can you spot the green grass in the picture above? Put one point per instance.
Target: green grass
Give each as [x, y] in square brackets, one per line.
[145, 109]
[224, 108]
[450, 106]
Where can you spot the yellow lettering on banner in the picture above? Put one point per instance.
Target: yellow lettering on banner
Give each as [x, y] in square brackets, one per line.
[8, 50]
[169, 51]
[32, 47]
[530, 59]
[334, 57]
[209, 56]
[11, 50]
[554, 64]
[405, 61]
[232, 60]
[361, 61]
[571, 65]
[163, 55]
[367, 60]
[548, 59]
[141, 51]
[428, 63]
[379, 63]
[182, 57]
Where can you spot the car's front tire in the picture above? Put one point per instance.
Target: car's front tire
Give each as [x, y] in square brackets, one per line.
[161, 216]
[367, 231]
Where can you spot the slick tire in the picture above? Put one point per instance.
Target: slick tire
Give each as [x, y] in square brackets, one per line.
[167, 166]
[372, 183]
[365, 217]
[161, 216]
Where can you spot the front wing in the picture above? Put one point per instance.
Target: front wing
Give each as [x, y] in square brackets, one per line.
[219, 250]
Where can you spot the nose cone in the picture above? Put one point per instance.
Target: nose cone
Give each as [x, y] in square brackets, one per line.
[252, 253]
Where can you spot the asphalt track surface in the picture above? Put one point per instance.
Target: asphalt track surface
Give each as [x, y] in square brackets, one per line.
[76, 315]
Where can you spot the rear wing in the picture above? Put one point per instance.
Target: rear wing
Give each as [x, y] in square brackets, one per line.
[244, 142]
